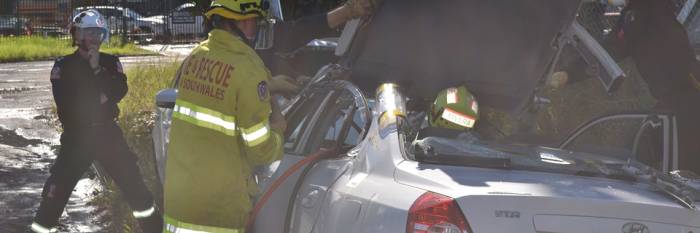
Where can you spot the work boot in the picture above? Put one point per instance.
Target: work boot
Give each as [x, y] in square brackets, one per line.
[152, 224]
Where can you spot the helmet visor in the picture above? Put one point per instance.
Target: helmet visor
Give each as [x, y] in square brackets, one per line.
[265, 37]
[97, 34]
[275, 10]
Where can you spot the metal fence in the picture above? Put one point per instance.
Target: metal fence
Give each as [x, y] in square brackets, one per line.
[179, 21]
[134, 20]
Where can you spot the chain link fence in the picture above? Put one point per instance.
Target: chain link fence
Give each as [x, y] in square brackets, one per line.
[133, 20]
[180, 21]
[143, 21]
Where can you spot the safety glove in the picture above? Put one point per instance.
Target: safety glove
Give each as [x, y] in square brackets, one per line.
[283, 85]
[277, 121]
[362, 8]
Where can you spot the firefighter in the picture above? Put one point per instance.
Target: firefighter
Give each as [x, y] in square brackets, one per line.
[87, 85]
[223, 125]
[224, 122]
[650, 34]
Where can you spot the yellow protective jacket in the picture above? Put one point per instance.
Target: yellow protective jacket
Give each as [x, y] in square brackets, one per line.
[220, 130]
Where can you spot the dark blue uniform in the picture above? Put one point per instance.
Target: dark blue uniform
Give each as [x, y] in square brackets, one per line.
[650, 34]
[90, 133]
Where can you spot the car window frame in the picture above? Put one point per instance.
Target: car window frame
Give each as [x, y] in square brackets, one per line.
[669, 129]
[315, 101]
[334, 117]
[333, 90]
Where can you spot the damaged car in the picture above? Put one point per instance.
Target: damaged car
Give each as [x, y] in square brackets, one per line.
[357, 159]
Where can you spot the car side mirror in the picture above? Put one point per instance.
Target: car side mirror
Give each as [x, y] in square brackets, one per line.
[166, 98]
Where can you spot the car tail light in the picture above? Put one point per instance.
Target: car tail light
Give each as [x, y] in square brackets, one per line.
[435, 213]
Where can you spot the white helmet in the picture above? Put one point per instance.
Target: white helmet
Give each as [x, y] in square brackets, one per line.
[90, 19]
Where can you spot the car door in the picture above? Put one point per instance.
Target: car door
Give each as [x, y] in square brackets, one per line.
[648, 137]
[301, 117]
[342, 126]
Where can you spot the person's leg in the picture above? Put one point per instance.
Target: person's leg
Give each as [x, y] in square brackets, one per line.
[120, 164]
[71, 163]
[688, 118]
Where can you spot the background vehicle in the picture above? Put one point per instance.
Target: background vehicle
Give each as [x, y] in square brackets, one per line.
[11, 25]
[380, 177]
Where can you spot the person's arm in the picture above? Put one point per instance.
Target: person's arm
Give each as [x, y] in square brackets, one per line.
[119, 87]
[114, 84]
[339, 16]
[261, 134]
[292, 35]
[63, 95]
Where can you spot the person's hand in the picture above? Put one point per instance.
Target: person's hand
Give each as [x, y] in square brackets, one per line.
[352, 9]
[361, 8]
[303, 80]
[283, 85]
[103, 98]
[277, 121]
[94, 57]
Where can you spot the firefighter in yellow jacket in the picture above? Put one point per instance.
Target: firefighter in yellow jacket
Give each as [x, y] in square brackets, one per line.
[223, 125]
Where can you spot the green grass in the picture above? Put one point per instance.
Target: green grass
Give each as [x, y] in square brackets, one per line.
[16, 49]
[145, 81]
[137, 119]
[578, 103]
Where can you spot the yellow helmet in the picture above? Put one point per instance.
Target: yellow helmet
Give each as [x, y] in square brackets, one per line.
[238, 9]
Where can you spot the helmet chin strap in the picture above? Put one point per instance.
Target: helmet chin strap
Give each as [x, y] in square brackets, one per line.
[82, 45]
[236, 30]
[242, 35]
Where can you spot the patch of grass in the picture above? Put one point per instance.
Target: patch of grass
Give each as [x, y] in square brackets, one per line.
[145, 81]
[32, 48]
[15, 49]
[137, 119]
[578, 103]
